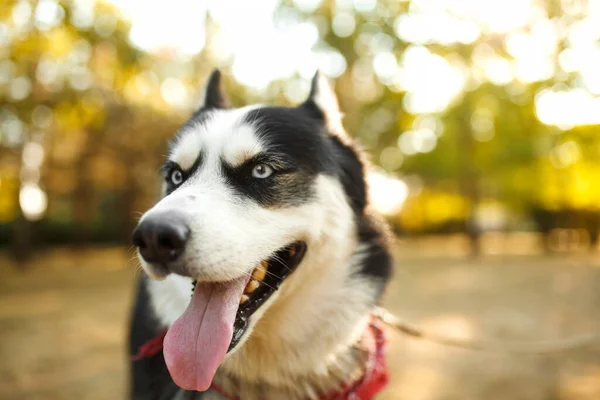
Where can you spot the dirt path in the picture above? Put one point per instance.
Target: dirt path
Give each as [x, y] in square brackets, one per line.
[62, 325]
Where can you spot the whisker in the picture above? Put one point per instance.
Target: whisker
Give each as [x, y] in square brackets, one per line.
[273, 274]
[282, 261]
[249, 274]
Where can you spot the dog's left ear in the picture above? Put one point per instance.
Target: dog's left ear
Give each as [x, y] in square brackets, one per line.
[323, 102]
[214, 94]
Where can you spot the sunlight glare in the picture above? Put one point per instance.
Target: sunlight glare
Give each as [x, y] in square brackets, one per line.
[156, 26]
[387, 193]
[496, 16]
[431, 81]
[567, 108]
[33, 201]
[307, 6]
[385, 65]
[533, 55]
[33, 155]
[175, 93]
[435, 28]
[261, 49]
[48, 14]
[343, 24]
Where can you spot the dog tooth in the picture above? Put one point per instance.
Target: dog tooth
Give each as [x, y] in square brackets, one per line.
[244, 299]
[251, 286]
[260, 272]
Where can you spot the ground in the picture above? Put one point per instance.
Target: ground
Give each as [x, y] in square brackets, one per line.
[63, 319]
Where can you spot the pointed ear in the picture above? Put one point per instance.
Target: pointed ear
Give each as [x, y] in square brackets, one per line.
[214, 95]
[323, 100]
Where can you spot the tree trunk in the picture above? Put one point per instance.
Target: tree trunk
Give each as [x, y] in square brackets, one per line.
[469, 177]
[22, 240]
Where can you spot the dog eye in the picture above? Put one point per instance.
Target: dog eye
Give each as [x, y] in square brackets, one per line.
[262, 171]
[176, 177]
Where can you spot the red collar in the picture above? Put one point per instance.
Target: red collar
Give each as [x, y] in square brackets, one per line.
[372, 382]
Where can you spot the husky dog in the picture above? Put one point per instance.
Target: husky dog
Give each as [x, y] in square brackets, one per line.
[264, 261]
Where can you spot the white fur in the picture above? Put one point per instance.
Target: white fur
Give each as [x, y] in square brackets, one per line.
[325, 99]
[320, 310]
[324, 96]
[186, 149]
[170, 297]
[222, 133]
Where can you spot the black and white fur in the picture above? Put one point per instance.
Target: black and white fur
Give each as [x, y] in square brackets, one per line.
[302, 341]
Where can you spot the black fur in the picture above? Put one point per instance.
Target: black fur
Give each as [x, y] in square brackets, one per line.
[169, 167]
[350, 172]
[214, 96]
[310, 105]
[288, 186]
[296, 148]
[378, 261]
[214, 99]
[150, 378]
[300, 148]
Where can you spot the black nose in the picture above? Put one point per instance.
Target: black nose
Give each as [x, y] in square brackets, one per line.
[161, 237]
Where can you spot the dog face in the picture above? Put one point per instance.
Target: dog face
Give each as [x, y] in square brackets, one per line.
[245, 183]
[247, 194]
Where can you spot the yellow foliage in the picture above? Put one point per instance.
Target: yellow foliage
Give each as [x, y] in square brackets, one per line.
[432, 208]
[67, 116]
[59, 41]
[9, 195]
[28, 48]
[91, 110]
[570, 187]
[582, 190]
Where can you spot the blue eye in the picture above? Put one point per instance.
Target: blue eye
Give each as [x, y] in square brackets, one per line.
[176, 177]
[262, 171]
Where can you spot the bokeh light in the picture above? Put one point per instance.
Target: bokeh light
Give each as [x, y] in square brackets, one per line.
[386, 192]
[471, 99]
[33, 201]
[480, 119]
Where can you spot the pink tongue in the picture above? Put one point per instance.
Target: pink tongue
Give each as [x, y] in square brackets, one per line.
[197, 342]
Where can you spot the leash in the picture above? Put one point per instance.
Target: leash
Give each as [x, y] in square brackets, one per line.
[376, 375]
[523, 348]
[154, 346]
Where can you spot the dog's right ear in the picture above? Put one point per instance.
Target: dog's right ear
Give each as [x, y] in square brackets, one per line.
[214, 94]
[323, 103]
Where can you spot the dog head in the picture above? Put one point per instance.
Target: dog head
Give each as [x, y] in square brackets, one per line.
[239, 185]
[251, 195]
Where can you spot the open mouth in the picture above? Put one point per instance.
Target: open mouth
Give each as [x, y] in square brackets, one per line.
[217, 317]
[266, 279]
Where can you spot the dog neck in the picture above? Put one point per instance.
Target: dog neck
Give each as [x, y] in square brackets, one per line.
[308, 341]
[344, 369]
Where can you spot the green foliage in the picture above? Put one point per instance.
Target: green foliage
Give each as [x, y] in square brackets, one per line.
[102, 110]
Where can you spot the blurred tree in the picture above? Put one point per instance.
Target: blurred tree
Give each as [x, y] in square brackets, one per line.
[485, 139]
[79, 99]
[459, 98]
